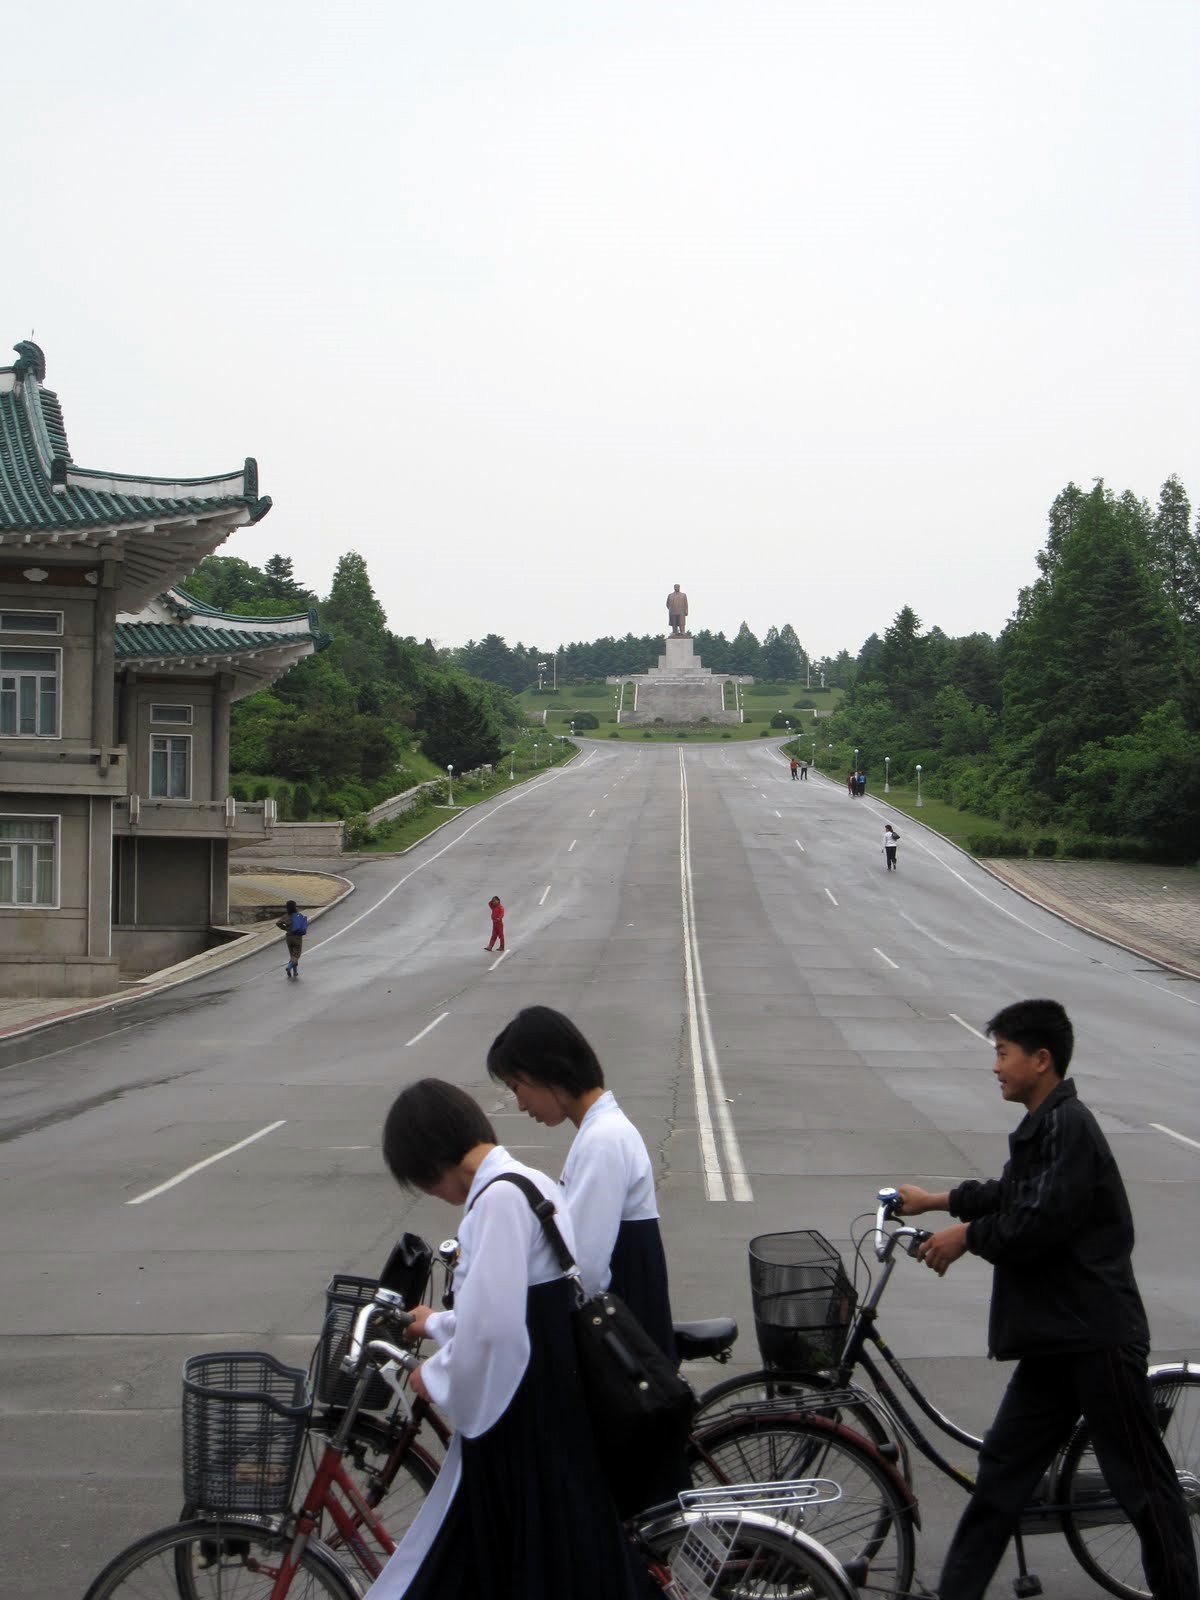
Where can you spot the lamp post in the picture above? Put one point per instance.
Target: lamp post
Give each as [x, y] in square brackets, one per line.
[535, 758]
[814, 759]
[450, 770]
[920, 802]
[512, 756]
[856, 758]
[572, 730]
[887, 775]
[541, 671]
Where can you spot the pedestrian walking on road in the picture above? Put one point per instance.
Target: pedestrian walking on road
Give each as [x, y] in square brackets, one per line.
[804, 772]
[497, 911]
[852, 783]
[520, 1509]
[1057, 1228]
[860, 784]
[295, 925]
[891, 840]
[607, 1189]
[795, 768]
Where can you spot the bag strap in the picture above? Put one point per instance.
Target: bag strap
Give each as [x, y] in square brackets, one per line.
[543, 1209]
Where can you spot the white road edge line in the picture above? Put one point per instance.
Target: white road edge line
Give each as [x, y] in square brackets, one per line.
[954, 1016]
[207, 1162]
[545, 892]
[498, 960]
[829, 892]
[417, 1037]
[888, 959]
[698, 1003]
[1171, 1134]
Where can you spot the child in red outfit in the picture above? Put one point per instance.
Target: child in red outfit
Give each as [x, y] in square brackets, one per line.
[497, 922]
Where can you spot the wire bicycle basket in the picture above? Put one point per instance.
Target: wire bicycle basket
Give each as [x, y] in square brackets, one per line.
[244, 1421]
[345, 1297]
[803, 1299]
[709, 1558]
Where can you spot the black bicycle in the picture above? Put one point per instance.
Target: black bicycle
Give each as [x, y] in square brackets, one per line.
[815, 1335]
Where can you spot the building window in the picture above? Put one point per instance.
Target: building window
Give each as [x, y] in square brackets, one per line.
[29, 693]
[171, 714]
[170, 760]
[28, 875]
[31, 622]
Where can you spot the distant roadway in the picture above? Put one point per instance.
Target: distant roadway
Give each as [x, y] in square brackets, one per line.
[788, 1024]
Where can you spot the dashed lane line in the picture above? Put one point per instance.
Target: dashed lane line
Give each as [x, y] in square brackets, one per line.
[956, 1018]
[888, 959]
[417, 1037]
[199, 1166]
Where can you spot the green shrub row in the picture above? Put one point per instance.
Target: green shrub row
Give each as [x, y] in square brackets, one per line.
[1081, 849]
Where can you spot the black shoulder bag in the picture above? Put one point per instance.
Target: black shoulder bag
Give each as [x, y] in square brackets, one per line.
[640, 1408]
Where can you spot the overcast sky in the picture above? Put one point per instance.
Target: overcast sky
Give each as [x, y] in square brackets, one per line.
[811, 307]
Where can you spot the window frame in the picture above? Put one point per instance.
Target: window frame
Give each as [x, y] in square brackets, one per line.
[35, 633]
[184, 739]
[16, 672]
[54, 817]
[179, 722]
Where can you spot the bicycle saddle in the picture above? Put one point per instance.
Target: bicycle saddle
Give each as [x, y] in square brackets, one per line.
[710, 1338]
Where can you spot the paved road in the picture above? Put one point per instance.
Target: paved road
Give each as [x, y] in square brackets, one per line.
[788, 1025]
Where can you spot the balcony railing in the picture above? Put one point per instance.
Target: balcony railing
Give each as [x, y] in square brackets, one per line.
[206, 819]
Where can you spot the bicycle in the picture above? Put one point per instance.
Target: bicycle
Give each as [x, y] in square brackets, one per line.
[814, 1336]
[395, 1455]
[243, 1439]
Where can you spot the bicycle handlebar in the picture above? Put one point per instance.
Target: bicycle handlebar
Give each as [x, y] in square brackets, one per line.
[386, 1307]
[887, 1206]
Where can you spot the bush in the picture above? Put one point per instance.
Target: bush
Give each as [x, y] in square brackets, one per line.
[614, 734]
[238, 792]
[356, 832]
[585, 719]
[262, 791]
[302, 802]
[997, 844]
[646, 734]
[1043, 848]
[805, 705]
[764, 733]
[727, 736]
[681, 733]
[780, 720]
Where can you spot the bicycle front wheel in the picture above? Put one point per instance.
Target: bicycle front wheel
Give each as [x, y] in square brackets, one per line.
[208, 1560]
[870, 1526]
[764, 1558]
[1102, 1540]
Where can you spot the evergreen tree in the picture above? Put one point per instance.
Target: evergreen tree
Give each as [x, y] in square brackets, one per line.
[745, 653]
[1172, 556]
[352, 605]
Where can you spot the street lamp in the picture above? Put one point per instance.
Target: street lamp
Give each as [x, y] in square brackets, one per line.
[512, 756]
[887, 772]
[814, 759]
[856, 758]
[920, 802]
[572, 730]
[541, 669]
[535, 758]
[450, 770]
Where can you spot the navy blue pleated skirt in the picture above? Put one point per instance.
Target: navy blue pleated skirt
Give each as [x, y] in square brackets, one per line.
[639, 1277]
[532, 1518]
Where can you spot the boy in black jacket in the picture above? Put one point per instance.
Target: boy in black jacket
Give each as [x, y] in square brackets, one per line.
[1057, 1228]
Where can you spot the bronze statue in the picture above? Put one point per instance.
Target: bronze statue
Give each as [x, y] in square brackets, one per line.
[677, 610]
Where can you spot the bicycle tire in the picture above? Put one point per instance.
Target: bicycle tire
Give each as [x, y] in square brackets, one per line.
[213, 1558]
[1104, 1542]
[395, 1490]
[770, 1385]
[872, 1524]
[768, 1559]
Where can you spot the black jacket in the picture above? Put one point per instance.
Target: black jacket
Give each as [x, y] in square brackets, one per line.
[1057, 1228]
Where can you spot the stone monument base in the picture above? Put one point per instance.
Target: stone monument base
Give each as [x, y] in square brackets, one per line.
[679, 690]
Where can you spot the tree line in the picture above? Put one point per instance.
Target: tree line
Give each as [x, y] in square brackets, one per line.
[1084, 715]
[341, 721]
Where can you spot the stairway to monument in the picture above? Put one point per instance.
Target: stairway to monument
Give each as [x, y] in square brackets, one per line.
[680, 689]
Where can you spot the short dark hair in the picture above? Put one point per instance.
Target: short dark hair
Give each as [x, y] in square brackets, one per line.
[291, 906]
[540, 1045]
[1037, 1025]
[429, 1129]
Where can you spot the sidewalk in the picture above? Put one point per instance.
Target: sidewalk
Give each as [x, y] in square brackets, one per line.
[1153, 911]
[265, 887]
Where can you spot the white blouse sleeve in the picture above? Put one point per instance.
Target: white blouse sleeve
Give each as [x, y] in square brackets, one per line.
[593, 1194]
[475, 1374]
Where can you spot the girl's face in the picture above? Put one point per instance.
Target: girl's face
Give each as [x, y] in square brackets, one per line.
[540, 1101]
[452, 1187]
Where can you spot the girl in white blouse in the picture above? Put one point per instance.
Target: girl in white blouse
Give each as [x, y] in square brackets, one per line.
[520, 1510]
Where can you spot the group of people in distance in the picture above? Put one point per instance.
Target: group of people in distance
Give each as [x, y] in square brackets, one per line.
[521, 1509]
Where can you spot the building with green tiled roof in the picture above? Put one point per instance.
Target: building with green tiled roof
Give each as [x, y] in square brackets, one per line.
[115, 691]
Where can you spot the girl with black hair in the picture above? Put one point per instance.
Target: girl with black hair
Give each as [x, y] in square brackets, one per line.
[520, 1509]
[607, 1183]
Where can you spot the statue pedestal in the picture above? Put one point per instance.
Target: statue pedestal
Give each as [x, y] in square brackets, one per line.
[681, 689]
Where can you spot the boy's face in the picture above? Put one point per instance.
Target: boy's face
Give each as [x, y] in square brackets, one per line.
[540, 1101]
[1027, 1078]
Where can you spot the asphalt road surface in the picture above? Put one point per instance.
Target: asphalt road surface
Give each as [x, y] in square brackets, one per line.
[788, 1025]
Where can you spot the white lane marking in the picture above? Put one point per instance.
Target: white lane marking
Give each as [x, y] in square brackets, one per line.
[698, 1003]
[207, 1162]
[592, 812]
[799, 846]
[888, 959]
[572, 845]
[1171, 1134]
[527, 789]
[498, 960]
[779, 813]
[956, 1018]
[545, 892]
[417, 1037]
[714, 1182]
[829, 892]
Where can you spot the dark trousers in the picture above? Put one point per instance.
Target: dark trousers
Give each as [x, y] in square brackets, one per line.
[889, 851]
[1040, 1407]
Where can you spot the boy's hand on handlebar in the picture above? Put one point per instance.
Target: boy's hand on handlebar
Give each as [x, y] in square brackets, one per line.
[415, 1331]
[417, 1384]
[914, 1201]
[943, 1249]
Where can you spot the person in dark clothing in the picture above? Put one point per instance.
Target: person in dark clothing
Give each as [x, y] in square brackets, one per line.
[1057, 1228]
[295, 925]
[795, 769]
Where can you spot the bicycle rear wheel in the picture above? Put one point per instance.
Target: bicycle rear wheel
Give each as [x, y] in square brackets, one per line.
[773, 1385]
[228, 1560]
[872, 1522]
[1102, 1540]
[767, 1560]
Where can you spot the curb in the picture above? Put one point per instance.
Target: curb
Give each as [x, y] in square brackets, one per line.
[226, 955]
